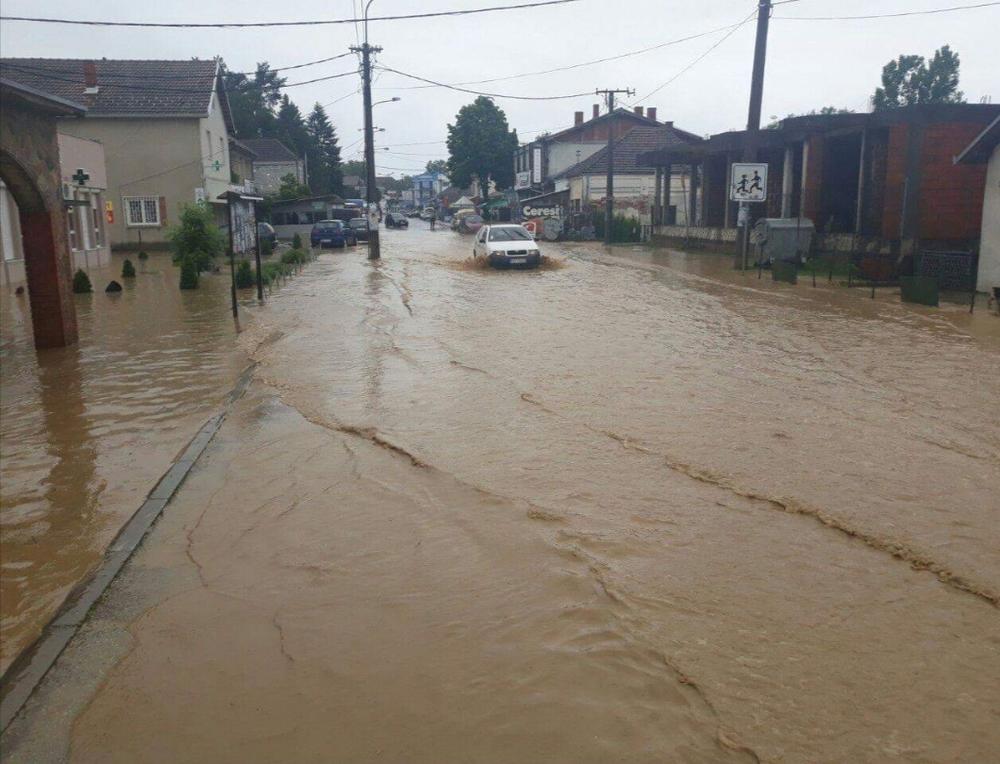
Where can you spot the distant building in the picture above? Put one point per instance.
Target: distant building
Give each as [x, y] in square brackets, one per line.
[879, 182]
[273, 161]
[427, 186]
[241, 160]
[539, 162]
[166, 126]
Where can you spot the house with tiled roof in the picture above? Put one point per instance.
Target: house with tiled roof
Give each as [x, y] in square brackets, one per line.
[273, 161]
[639, 188]
[164, 126]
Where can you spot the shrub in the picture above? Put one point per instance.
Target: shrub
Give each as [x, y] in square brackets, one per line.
[143, 255]
[196, 237]
[128, 270]
[81, 282]
[244, 275]
[294, 257]
[296, 242]
[272, 272]
[266, 248]
[189, 273]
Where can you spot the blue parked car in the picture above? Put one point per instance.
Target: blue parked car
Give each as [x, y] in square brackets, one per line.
[331, 233]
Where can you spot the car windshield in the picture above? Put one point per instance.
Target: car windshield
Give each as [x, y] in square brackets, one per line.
[511, 233]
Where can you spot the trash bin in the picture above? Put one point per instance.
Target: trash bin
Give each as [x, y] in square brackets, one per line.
[787, 239]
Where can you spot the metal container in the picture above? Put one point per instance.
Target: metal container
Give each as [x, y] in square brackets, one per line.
[786, 239]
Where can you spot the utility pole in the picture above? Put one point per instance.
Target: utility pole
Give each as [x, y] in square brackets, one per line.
[366, 50]
[609, 204]
[753, 115]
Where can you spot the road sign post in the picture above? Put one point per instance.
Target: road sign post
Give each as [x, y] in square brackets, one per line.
[747, 183]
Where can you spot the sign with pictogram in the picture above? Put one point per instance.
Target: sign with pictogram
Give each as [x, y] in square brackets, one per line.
[748, 182]
[109, 212]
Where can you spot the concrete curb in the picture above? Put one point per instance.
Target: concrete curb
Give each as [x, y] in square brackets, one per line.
[31, 666]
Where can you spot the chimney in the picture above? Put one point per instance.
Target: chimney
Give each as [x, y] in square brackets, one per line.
[638, 111]
[651, 113]
[90, 76]
[597, 110]
[577, 118]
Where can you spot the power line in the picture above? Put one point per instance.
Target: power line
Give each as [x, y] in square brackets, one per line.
[479, 92]
[568, 67]
[716, 44]
[252, 24]
[887, 15]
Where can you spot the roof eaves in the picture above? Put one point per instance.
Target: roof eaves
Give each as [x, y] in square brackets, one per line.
[35, 94]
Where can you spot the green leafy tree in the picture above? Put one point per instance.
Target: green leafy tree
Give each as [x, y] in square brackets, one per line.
[438, 165]
[189, 273]
[290, 187]
[325, 176]
[253, 101]
[196, 237]
[910, 80]
[480, 145]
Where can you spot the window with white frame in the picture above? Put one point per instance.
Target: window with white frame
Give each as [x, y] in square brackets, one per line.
[141, 210]
[96, 220]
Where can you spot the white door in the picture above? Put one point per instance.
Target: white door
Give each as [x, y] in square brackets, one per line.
[480, 248]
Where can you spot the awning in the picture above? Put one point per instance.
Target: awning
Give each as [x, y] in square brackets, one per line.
[496, 204]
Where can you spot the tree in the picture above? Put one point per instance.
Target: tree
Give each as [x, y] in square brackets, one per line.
[290, 187]
[196, 238]
[909, 80]
[252, 102]
[325, 175]
[481, 146]
[438, 165]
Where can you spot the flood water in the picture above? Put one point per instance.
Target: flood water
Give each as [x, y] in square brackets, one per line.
[634, 508]
[87, 430]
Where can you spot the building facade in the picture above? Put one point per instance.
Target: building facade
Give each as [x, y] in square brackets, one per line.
[985, 150]
[165, 128]
[273, 161]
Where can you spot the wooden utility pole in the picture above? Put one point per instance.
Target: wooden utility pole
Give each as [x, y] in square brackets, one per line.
[753, 115]
[366, 50]
[609, 204]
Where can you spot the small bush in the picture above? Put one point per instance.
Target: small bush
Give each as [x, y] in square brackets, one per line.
[296, 242]
[128, 270]
[294, 257]
[266, 248]
[81, 282]
[143, 255]
[272, 272]
[244, 275]
[196, 236]
[189, 273]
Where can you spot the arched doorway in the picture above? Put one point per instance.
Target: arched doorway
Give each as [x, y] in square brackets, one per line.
[29, 167]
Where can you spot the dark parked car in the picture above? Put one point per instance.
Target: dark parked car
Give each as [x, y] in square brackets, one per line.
[331, 233]
[359, 227]
[396, 220]
[265, 232]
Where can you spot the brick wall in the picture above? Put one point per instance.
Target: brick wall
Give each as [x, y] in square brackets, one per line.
[813, 185]
[895, 181]
[29, 165]
[951, 196]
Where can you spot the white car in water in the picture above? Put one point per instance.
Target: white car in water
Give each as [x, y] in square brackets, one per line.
[507, 245]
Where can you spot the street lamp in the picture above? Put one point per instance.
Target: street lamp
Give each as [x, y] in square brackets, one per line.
[387, 100]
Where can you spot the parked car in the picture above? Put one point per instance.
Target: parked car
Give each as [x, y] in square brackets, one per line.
[459, 216]
[507, 246]
[266, 232]
[331, 233]
[428, 212]
[470, 224]
[396, 220]
[359, 227]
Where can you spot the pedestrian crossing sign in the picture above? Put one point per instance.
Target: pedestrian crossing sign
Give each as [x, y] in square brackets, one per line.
[748, 182]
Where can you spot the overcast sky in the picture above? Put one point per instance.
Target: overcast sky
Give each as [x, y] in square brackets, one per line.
[810, 63]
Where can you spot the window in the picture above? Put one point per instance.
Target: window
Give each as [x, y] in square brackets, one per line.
[141, 210]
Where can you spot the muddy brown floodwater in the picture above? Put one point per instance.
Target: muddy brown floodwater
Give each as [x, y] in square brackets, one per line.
[86, 431]
[635, 508]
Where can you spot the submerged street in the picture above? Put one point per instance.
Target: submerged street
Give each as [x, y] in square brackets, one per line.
[633, 506]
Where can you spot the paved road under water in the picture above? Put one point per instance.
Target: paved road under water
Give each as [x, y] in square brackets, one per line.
[633, 508]
[86, 431]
